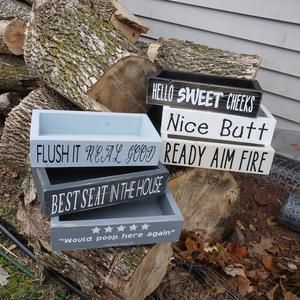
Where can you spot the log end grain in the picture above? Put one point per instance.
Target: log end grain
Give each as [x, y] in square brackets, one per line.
[126, 80]
[13, 36]
[208, 200]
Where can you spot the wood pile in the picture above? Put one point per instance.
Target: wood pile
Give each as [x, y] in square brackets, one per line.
[83, 55]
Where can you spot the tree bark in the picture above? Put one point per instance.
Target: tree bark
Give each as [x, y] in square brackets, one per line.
[208, 198]
[14, 75]
[14, 143]
[12, 36]
[76, 51]
[112, 273]
[10, 9]
[190, 57]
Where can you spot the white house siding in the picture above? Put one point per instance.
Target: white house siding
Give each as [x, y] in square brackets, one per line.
[269, 28]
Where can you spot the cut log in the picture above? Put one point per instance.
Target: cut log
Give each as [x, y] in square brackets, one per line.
[10, 9]
[8, 101]
[208, 199]
[190, 57]
[127, 23]
[14, 75]
[112, 273]
[14, 143]
[76, 51]
[12, 36]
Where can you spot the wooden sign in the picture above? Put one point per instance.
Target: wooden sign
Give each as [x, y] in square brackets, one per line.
[229, 157]
[70, 190]
[150, 222]
[219, 127]
[205, 92]
[290, 213]
[86, 139]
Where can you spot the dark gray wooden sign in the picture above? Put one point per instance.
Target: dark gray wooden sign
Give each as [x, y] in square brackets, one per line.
[205, 92]
[155, 221]
[92, 139]
[69, 190]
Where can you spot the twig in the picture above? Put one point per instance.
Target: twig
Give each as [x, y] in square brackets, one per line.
[8, 251]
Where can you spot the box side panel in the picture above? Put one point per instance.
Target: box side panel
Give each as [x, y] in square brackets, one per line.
[58, 153]
[119, 234]
[72, 198]
[216, 126]
[201, 96]
[229, 157]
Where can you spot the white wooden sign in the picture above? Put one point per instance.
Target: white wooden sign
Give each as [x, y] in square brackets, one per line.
[218, 126]
[208, 155]
[86, 139]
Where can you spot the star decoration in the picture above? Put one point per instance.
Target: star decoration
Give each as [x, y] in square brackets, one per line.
[133, 227]
[121, 228]
[96, 230]
[145, 226]
[108, 229]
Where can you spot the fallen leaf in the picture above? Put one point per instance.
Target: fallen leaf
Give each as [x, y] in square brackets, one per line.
[261, 247]
[240, 225]
[290, 296]
[271, 221]
[237, 252]
[3, 277]
[219, 257]
[252, 227]
[190, 247]
[241, 285]
[235, 270]
[268, 264]
[271, 293]
[257, 275]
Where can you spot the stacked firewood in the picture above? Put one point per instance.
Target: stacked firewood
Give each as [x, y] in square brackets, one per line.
[82, 54]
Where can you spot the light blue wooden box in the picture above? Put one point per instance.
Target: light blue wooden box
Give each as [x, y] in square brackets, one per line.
[150, 222]
[86, 139]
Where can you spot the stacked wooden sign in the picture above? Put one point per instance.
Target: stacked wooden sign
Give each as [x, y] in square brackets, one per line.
[99, 179]
[213, 122]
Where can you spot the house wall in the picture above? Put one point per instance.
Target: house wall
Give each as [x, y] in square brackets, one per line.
[269, 28]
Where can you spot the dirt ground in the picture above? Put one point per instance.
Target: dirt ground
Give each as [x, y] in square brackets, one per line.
[261, 259]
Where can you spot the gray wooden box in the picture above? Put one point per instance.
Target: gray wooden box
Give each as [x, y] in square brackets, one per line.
[86, 139]
[69, 190]
[155, 221]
